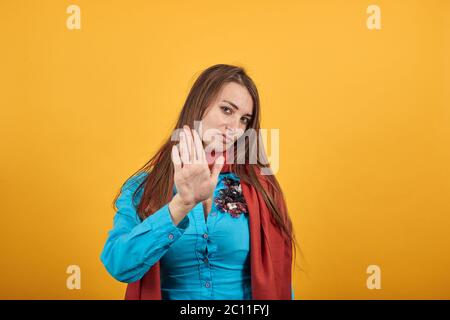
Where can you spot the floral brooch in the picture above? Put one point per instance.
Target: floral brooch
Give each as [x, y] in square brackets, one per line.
[231, 199]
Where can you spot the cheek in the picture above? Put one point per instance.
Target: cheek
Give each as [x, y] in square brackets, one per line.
[242, 128]
[240, 132]
[209, 126]
[215, 120]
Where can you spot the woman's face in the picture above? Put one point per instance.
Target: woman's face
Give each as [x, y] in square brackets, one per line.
[227, 117]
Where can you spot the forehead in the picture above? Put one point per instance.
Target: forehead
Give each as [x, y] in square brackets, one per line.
[237, 94]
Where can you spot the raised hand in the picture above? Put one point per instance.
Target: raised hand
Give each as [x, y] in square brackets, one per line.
[194, 181]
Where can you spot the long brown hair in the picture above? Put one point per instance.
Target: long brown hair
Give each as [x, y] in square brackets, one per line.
[160, 170]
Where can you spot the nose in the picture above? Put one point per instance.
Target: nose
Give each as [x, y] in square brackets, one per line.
[232, 128]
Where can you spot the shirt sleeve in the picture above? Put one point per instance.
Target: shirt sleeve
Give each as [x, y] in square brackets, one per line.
[134, 246]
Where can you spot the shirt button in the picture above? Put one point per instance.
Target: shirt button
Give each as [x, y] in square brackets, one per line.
[170, 236]
[207, 284]
[214, 214]
[205, 235]
[205, 260]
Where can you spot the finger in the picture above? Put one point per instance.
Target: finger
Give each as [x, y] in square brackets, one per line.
[184, 149]
[217, 167]
[190, 143]
[199, 151]
[176, 159]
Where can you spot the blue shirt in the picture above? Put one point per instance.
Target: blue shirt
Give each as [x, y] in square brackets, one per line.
[199, 259]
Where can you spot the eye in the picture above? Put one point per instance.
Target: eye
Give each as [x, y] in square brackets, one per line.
[245, 120]
[226, 110]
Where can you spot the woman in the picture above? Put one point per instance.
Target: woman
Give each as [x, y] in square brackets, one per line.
[197, 223]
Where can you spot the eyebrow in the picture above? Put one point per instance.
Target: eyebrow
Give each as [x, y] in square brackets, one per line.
[236, 107]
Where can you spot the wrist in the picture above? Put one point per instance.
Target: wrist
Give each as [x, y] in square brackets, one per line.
[181, 204]
[179, 209]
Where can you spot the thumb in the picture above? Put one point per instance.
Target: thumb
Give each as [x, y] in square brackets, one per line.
[217, 167]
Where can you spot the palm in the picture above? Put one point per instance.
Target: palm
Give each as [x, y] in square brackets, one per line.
[195, 184]
[193, 179]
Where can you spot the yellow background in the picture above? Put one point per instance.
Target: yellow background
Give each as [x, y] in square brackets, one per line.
[363, 116]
